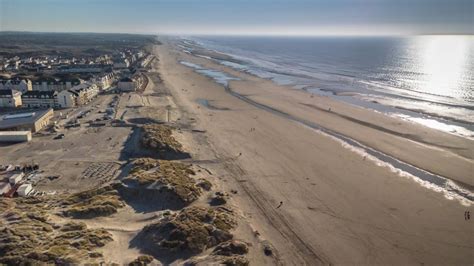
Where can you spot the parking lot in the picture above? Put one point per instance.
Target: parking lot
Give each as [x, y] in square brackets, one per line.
[82, 150]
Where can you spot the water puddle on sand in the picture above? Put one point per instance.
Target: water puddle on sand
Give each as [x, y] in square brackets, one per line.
[425, 178]
[218, 76]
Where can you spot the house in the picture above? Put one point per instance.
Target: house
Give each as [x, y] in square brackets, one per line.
[26, 121]
[39, 99]
[127, 84]
[15, 178]
[5, 187]
[21, 85]
[24, 190]
[10, 98]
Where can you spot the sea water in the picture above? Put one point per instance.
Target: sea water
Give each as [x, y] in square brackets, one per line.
[424, 79]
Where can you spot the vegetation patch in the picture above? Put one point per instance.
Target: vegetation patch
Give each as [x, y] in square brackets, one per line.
[191, 230]
[230, 248]
[204, 184]
[165, 176]
[231, 253]
[219, 198]
[93, 203]
[235, 261]
[27, 236]
[160, 139]
[142, 261]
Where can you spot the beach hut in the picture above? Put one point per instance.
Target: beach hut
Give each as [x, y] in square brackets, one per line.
[24, 190]
[15, 178]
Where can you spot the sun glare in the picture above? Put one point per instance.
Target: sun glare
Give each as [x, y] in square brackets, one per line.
[443, 61]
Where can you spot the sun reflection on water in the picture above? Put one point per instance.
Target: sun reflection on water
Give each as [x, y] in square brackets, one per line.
[444, 64]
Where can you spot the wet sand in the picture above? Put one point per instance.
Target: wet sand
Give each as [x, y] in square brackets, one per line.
[339, 206]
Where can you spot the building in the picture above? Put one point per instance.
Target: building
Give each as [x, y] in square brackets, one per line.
[85, 93]
[15, 136]
[24, 190]
[67, 99]
[30, 121]
[104, 81]
[120, 63]
[127, 84]
[39, 99]
[15, 178]
[21, 85]
[84, 68]
[55, 85]
[10, 98]
[5, 187]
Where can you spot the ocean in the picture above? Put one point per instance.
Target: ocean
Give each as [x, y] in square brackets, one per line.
[423, 79]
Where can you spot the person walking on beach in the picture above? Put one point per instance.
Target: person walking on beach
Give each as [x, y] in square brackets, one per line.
[467, 215]
[279, 205]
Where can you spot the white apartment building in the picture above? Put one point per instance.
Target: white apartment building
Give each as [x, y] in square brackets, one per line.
[85, 92]
[67, 99]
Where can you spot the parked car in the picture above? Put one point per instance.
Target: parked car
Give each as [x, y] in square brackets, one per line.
[60, 136]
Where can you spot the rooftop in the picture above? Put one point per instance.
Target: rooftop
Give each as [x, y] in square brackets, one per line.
[17, 119]
[6, 92]
[35, 94]
[15, 133]
[126, 80]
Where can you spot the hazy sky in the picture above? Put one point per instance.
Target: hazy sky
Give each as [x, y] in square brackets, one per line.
[297, 17]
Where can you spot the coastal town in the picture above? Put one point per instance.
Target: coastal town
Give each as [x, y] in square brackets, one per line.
[46, 94]
[111, 145]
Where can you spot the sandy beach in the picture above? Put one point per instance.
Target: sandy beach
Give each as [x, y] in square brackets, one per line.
[339, 205]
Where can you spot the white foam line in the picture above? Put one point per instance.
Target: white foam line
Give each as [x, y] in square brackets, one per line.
[203, 56]
[446, 191]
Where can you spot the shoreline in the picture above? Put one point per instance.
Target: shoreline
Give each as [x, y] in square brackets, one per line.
[457, 150]
[417, 113]
[329, 191]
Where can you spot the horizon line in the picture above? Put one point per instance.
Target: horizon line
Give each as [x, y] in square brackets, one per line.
[249, 34]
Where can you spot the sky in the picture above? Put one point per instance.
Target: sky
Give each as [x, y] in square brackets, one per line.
[241, 17]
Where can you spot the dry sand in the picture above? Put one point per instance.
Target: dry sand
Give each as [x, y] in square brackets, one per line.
[338, 207]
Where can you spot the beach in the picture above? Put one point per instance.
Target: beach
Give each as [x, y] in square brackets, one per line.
[339, 204]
